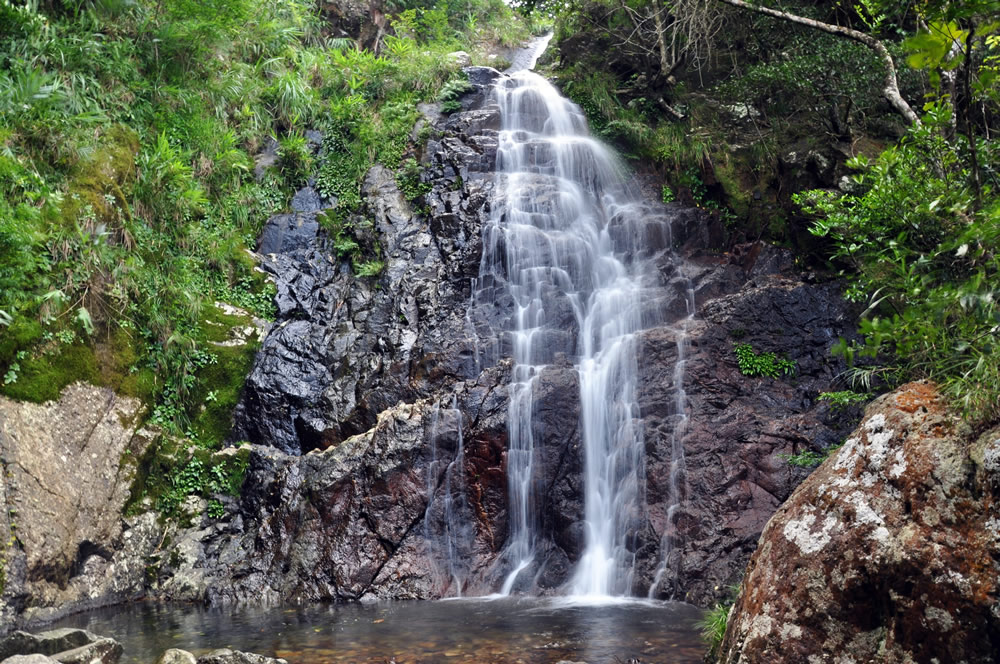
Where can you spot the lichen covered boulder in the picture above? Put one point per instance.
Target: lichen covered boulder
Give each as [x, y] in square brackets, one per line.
[889, 552]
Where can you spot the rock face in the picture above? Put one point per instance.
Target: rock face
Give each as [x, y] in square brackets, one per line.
[376, 413]
[68, 468]
[889, 552]
[737, 426]
[348, 352]
[346, 522]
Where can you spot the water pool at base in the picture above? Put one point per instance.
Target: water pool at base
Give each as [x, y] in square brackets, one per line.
[515, 631]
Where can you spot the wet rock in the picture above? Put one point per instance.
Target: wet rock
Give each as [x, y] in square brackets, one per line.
[101, 651]
[227, 656]
[176, 656]
[732, 479]
[343, 348]
[287, 232]
[67, 645]
[888, 552]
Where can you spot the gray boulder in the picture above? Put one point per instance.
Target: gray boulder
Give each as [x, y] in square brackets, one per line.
[227, 656]
[176, 656]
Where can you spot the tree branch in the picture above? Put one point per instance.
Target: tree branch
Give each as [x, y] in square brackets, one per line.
[891, 89]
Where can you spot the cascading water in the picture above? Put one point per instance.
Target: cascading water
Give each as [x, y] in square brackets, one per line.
[551, 238]
[448, 520]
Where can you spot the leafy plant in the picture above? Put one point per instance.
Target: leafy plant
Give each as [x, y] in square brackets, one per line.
[919, 250]
[767, 364]
[713, 625]
[844, 399]
[295, 157]
[808, 458]
[451, 93]
[408, 181]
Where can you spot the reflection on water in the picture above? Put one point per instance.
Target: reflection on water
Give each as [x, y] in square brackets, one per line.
[461, 631]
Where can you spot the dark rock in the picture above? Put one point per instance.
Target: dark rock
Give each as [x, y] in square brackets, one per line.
[307, 199]
[888, 552]
[482, 76]
[285, 233]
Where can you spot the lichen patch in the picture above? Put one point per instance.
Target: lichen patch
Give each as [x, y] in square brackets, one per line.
[800, 532]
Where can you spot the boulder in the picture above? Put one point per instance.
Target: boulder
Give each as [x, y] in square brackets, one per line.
[66, 645]
[176, 656]
[101, 651]
[227, 656]
[45, 643]
[28, 659]
[889, 552]
[70, 532]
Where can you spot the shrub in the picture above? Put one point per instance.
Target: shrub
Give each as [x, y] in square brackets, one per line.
[768, 364]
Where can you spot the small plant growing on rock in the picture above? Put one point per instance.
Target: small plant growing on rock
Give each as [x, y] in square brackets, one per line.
[752, 363]
[408, 180]
[844, 399]
[451, 93]
[713, 625]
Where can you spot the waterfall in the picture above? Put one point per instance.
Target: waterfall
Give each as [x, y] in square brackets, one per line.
[676, 480]
[553, 247]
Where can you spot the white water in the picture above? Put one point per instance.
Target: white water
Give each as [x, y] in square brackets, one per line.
[560, 194]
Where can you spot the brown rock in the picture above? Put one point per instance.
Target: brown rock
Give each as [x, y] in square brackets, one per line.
[888, 552]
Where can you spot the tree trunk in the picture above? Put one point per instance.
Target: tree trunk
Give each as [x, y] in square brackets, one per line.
[666, 66]
[891, 89]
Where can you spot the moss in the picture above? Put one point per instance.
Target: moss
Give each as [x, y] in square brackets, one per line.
[99, 180]
[118, 359]
[219, 390]
[22, 333]
[220, 383]
[43, 376]
[171, 470]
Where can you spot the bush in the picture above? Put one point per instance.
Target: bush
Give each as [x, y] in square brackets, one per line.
[920, 251]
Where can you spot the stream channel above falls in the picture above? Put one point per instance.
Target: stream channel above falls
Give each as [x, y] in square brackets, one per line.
[507, 631]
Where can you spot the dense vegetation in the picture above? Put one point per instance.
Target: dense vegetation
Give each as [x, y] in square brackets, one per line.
[130, 195]
[127, 139]
[744, 113]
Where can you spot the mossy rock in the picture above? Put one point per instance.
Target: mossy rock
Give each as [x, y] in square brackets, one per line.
[173, 469]
[220, 383]
[100, 180]
[118, 362]
[42, 376]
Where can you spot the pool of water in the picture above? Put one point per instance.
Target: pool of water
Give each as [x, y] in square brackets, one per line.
[515, 631]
